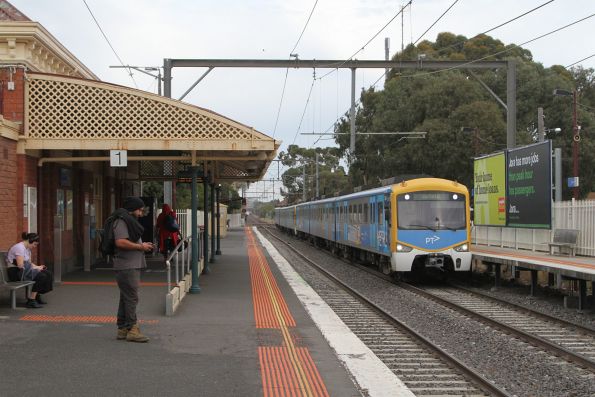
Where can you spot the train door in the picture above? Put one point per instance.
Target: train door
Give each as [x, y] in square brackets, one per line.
[382, 231]
[346, 220]
[373, 223]
[334, 214]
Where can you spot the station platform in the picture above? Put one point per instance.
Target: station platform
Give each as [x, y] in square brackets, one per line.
[245, 334]
[569, 266]
[557, 267]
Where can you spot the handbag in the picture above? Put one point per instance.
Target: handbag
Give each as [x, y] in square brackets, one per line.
[171, 224]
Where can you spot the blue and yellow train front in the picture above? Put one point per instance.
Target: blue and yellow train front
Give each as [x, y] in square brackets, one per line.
[430, 226]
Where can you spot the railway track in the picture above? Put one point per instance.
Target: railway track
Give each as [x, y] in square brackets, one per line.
[564, 339]
[425, 368]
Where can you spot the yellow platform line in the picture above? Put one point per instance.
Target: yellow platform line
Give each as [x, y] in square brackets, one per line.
[256, 258]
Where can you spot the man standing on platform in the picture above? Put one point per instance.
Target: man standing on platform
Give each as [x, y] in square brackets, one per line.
[129, 259]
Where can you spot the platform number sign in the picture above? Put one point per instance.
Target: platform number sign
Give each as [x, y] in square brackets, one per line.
[118, 158]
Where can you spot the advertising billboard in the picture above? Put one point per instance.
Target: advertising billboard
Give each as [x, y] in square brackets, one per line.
[529, 199]
[489, 191]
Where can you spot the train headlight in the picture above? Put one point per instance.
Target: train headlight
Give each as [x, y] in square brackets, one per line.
[403, 248]
[462, 248]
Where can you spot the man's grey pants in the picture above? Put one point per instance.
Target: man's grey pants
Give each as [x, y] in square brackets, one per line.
[128, 282]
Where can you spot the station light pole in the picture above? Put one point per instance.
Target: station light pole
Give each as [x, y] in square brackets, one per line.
[575, 138]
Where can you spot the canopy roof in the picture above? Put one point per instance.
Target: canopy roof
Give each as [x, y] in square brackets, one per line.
[76, 114]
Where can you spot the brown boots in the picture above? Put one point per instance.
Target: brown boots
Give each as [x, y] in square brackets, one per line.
[122, 332]
[132, 335]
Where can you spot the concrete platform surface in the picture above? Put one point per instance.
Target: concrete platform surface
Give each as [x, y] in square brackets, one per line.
[212, 346]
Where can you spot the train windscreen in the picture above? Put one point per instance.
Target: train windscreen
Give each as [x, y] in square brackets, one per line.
[431, 210]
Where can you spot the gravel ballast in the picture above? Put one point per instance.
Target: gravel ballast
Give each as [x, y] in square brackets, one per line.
[520, 368]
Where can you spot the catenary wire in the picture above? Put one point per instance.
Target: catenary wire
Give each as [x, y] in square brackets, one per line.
[579, 61]
[287, 70]
[280, 103]
[512, 47]
[497, 53]
[110, 44]
[368, 42]
[304, 112]
[435, 22]
[305, 26]
[496, 27]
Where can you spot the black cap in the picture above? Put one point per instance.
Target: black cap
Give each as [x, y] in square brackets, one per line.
[133, 203]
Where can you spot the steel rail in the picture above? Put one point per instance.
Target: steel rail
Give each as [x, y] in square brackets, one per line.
[481, 382]
[526, 310]
[527, 337]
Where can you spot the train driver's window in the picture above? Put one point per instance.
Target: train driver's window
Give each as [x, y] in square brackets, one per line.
[366, 213]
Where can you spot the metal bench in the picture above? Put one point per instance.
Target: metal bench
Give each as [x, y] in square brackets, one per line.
[564, 238]
[12, 286]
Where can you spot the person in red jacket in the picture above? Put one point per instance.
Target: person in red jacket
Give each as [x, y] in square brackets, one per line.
[169, 229]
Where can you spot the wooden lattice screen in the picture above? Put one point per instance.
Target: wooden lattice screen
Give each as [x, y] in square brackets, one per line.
[59, 107]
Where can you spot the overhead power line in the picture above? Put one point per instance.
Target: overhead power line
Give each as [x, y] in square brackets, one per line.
[291, 54]
[514, 46]
[579, 61]
[368, 42]
[496, 27]
[305, 26]
[304, 112]
[280, 102]
[435, 22]
[109, 43]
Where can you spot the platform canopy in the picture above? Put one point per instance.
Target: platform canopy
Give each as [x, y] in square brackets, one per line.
[64, 113]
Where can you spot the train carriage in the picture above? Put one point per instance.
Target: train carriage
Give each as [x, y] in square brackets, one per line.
[322, 222]
[362, 221]
[415, 225]
[285, 218]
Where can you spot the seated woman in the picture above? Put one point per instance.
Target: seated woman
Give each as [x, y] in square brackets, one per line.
[20, 267]
[168, 228]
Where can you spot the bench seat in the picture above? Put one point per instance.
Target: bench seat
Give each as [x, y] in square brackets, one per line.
[12, 286]
[564, 238]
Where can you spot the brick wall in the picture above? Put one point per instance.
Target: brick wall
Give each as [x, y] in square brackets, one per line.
[11, 194]
[12, 102]
[8, 194]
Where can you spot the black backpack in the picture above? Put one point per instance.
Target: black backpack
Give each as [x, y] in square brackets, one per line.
[107, 247]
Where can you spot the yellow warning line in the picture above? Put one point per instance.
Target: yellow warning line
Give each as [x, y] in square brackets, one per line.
[255, 254]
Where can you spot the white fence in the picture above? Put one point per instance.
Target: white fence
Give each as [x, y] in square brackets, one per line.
[573, 214]
[185, 220]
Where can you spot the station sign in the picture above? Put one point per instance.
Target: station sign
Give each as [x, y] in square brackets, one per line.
[118, 158]
[573, 181]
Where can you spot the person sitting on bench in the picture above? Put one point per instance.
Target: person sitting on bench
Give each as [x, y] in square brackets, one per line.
[20, 267]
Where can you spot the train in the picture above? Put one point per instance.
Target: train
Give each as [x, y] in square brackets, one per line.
[419, 225]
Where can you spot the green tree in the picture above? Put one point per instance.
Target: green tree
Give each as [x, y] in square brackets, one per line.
[461, 118]
[331, 175]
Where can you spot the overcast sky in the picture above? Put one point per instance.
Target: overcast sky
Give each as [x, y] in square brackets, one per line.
[143, 33]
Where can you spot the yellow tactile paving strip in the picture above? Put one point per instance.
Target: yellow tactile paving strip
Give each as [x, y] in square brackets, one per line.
[285, 370]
